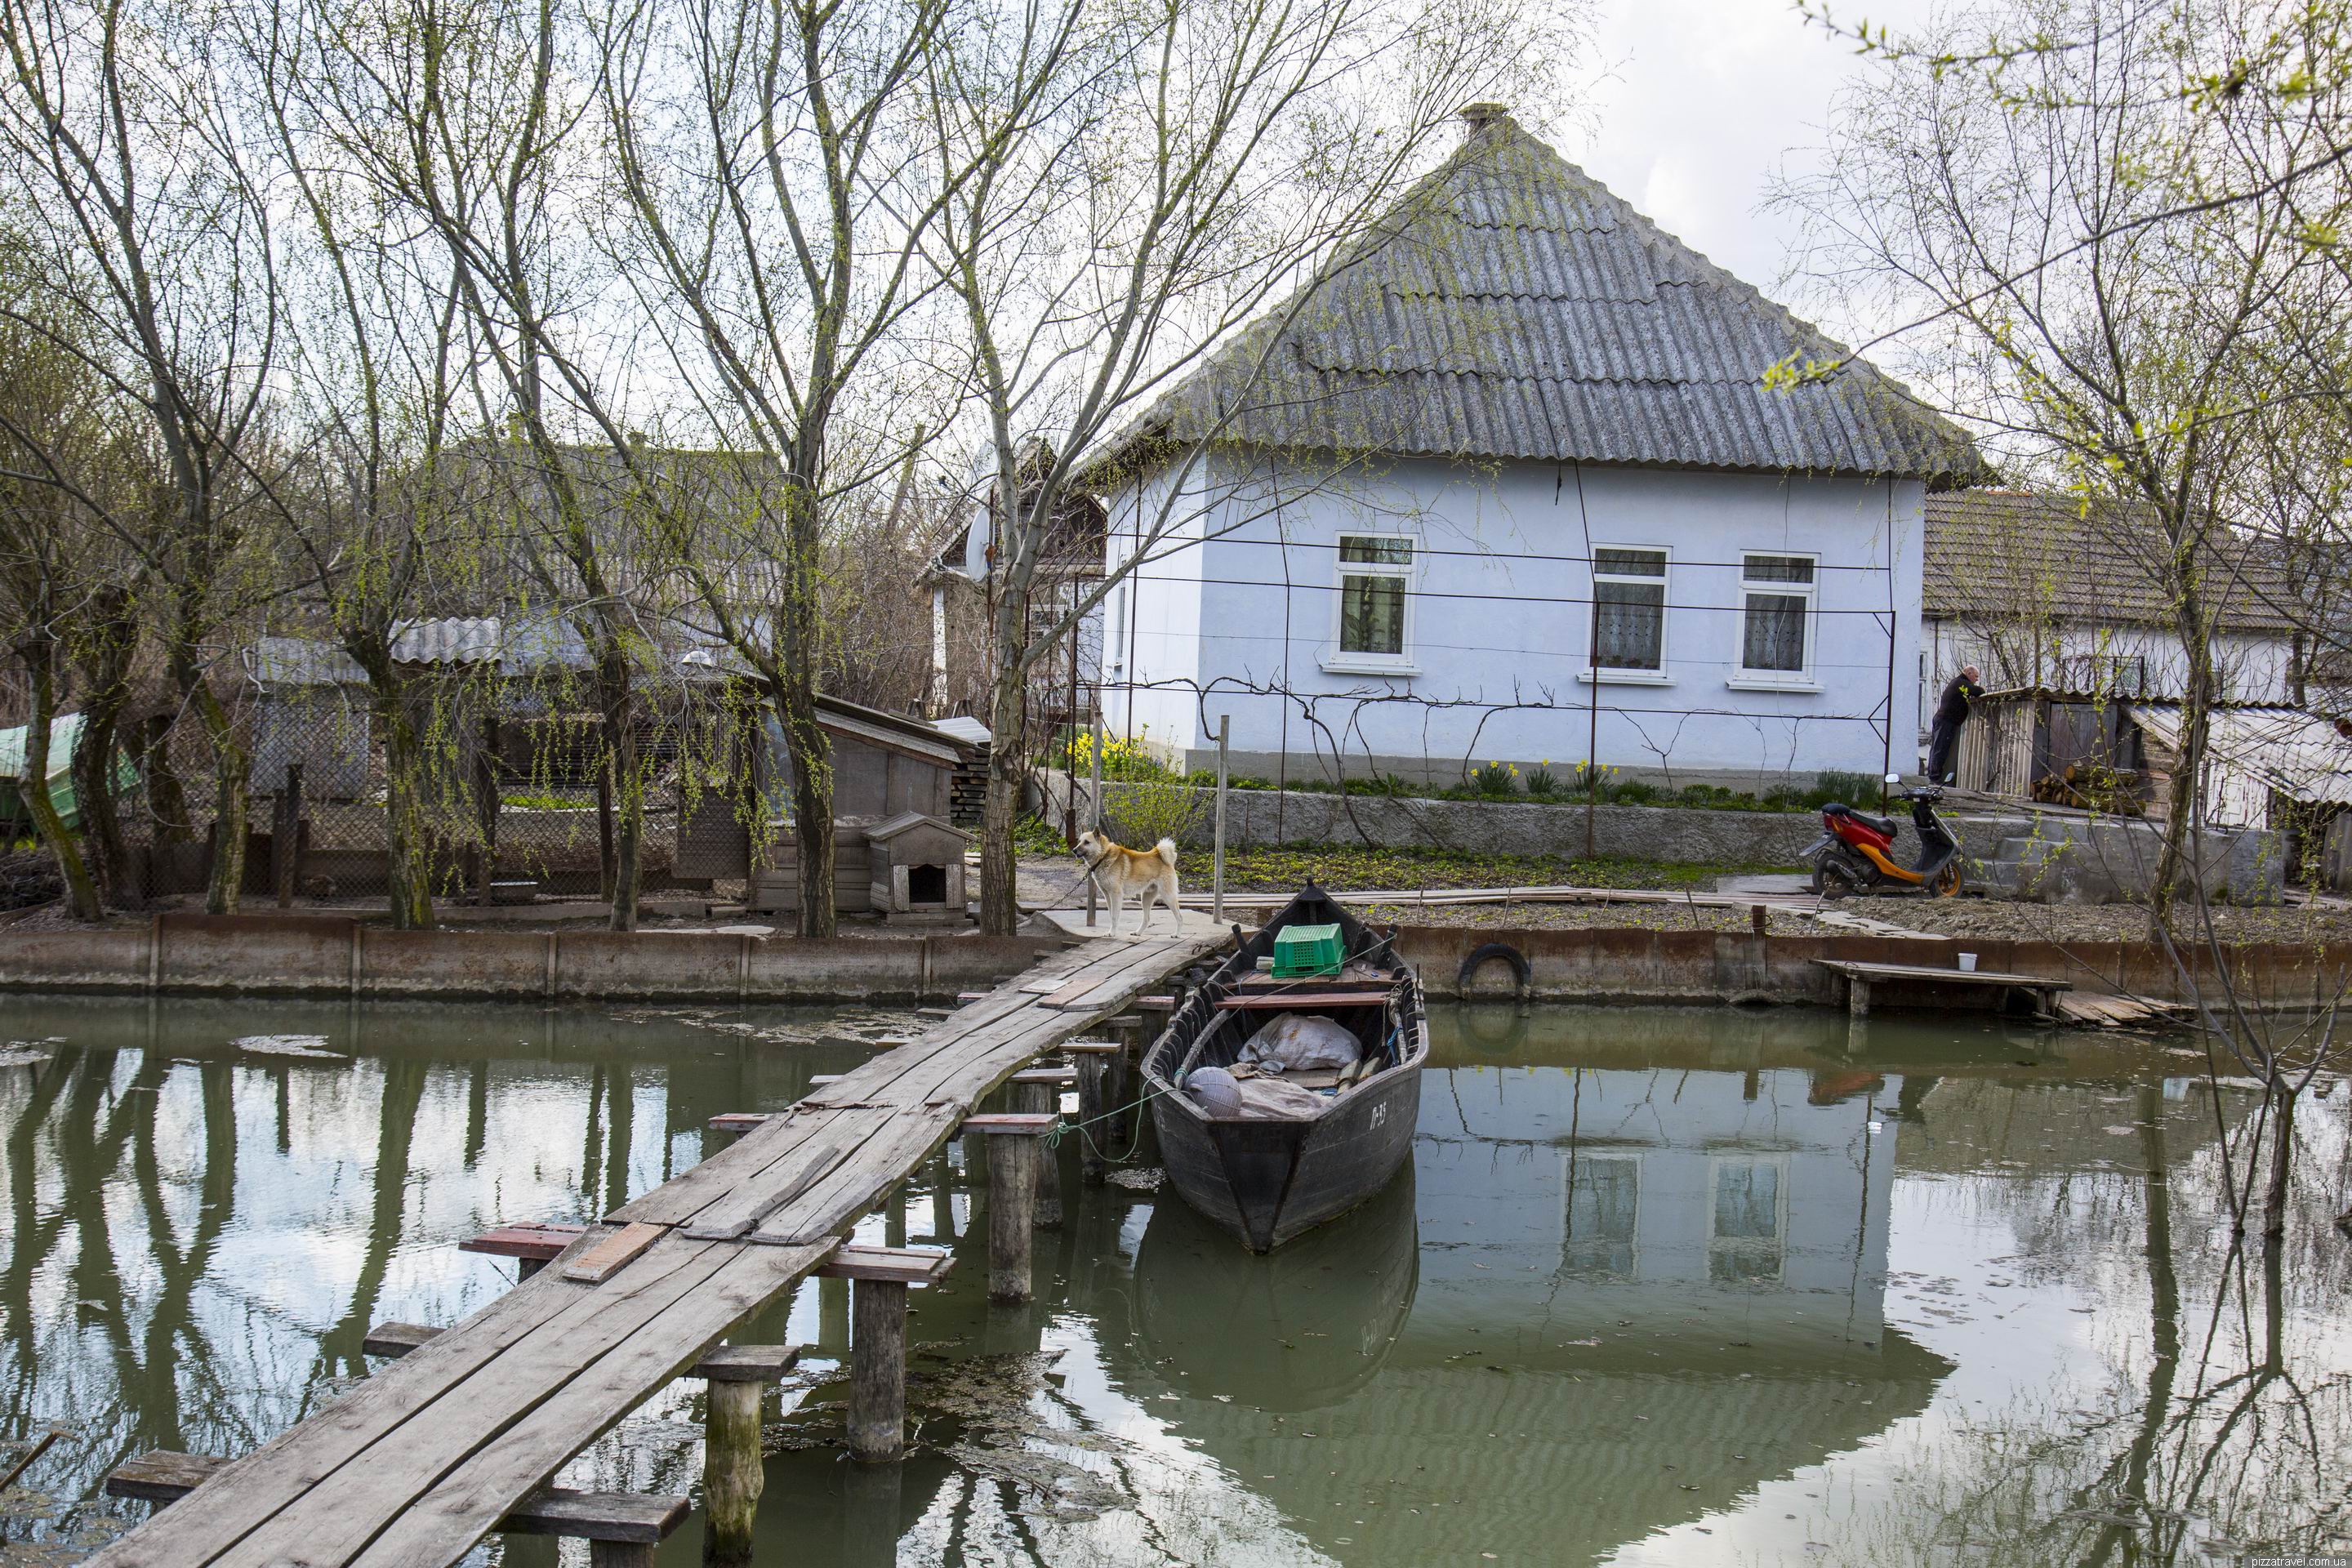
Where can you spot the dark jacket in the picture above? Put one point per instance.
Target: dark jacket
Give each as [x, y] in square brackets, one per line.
[1953, 709]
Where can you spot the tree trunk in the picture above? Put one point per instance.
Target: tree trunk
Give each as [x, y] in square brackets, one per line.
[2274, 1200]
[40, 657]
[408, 859]
[811, 754]
[1000, 910]
[2196, 711]
[167, 799]
[232, 768]
[108, 649]
[617, 705]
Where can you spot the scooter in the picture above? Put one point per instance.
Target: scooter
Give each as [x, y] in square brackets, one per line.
[1854, 854]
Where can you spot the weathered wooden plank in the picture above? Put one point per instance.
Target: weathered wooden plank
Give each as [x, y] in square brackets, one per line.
[448, 1517]
[842, 1134]
[612, 1254]
[537, 1242]
[745, 1166]
[854, 1187]
[273, 1476]
[727, 1363]
[163, 1476]
[906, 1264]
[404, 1459]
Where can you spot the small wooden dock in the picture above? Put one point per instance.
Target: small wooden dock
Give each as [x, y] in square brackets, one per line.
[1863, 979]
[466, 1428]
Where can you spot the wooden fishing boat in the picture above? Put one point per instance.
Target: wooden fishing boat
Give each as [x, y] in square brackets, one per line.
[1267, 1179]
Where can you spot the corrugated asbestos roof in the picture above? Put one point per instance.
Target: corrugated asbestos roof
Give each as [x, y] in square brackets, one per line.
[2301, 755]
[2012, 554]
[1511, 306]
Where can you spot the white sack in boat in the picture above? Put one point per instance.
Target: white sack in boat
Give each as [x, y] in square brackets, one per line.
[1295, 1042]
[1264, 1098]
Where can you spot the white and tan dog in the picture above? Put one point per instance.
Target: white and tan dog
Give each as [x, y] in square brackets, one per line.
[1118, 871]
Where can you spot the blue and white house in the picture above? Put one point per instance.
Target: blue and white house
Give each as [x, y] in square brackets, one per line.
[1508, 482]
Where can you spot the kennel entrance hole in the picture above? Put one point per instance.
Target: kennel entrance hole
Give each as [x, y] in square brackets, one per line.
[927, 884]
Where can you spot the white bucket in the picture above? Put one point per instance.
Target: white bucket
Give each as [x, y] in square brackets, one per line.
[1968, 963]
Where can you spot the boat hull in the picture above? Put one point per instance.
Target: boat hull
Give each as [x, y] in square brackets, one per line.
[1267, 1182]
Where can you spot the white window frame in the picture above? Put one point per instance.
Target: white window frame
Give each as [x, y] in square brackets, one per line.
[1568, 1167]
[1402, 662]
[1595, 673]
[1778, 1162]
[1802, 679]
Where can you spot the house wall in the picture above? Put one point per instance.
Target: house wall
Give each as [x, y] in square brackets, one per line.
[1499, 628]
[1153, 615]
[2084, 656]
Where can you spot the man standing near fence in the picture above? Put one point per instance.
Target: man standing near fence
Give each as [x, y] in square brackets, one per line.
[1944, 736]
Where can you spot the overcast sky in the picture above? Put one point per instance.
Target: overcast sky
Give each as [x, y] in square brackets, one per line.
[1702, 101]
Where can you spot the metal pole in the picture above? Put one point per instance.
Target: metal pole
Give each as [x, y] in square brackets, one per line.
[1217, 898]
[1094, 804]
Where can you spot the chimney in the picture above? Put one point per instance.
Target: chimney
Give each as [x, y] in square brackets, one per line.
[1476, 117]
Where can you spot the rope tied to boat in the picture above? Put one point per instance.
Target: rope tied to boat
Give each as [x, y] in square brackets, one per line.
[1064, 1126]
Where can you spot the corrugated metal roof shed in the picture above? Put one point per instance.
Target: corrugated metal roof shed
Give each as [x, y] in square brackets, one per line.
[2255, 751]
[1511, 306]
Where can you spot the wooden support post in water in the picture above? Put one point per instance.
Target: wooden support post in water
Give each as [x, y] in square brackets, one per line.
[832, 1315]
[1013, 1147]
[1094, 1072]
[877, 1370]
[1217, 899]
[731, 1473]
[1038, 1100]
[286, 835]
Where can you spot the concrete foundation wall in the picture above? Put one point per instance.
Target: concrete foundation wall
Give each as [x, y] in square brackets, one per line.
[304, 955]
[209, 954]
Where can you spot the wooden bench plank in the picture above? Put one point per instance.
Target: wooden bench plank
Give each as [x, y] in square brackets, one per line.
[539, 1243]
[163, 1476]
[1264, 1004]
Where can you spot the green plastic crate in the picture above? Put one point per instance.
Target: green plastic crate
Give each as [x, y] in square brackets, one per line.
[1304, 952]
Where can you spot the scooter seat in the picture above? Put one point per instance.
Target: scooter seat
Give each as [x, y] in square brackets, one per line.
[1885, 824]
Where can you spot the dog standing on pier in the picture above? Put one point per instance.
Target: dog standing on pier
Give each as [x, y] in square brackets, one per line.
[1148, 874]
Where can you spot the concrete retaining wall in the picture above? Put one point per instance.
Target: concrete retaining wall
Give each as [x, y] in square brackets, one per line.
[317, 955]
[1715, 966]
[311, 955]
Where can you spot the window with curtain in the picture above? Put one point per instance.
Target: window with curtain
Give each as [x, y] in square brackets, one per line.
[1375, 573]
[1629, 609]
[1777, 596]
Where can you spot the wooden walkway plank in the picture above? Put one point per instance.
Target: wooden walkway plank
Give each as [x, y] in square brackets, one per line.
[739, 1164]
[612, 1255]
[839, 1135]
[415, 1465]
[388, 1479]
[290, 1465]
[445, 1521]
[837, 1202]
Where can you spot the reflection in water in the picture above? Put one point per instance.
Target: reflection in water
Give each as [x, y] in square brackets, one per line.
[1662, 1287]
[1300, 1328]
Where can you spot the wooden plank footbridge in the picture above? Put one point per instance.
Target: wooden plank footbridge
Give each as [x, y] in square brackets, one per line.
[460, 1435]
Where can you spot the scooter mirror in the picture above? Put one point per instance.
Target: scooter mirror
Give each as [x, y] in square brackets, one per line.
[1895, 778]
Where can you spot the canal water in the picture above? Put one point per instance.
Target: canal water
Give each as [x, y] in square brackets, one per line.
[1663, 1287]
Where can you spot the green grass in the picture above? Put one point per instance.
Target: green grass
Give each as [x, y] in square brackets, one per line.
[1343, 868]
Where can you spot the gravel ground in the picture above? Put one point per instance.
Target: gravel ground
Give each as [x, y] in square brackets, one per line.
[1587, 917]
[2099, 922]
